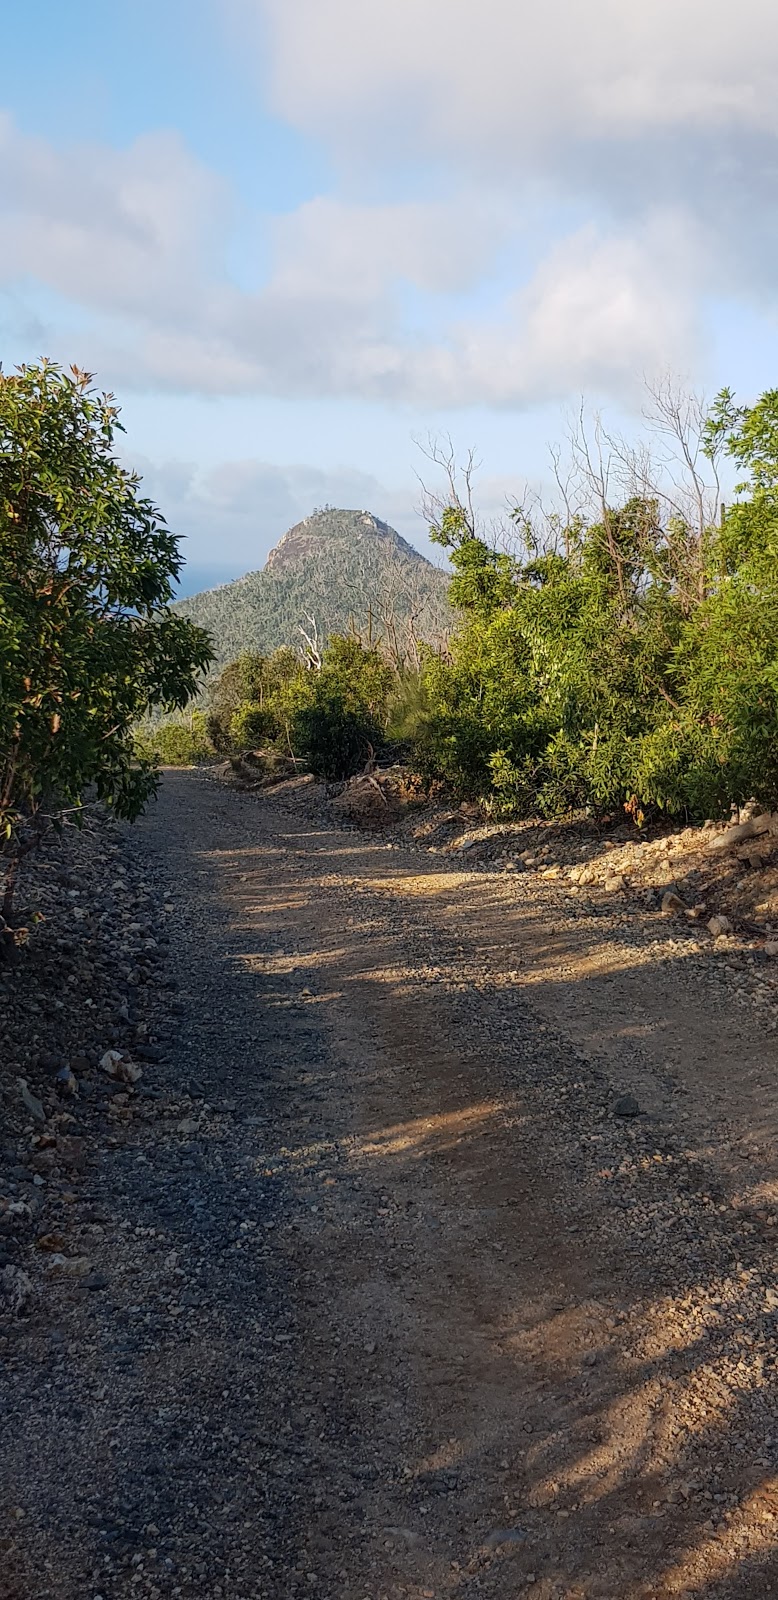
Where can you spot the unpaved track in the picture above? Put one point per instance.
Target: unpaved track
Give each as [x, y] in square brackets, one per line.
[451, 1328]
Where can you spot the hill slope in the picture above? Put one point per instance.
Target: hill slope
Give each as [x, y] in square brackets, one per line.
[338, 567]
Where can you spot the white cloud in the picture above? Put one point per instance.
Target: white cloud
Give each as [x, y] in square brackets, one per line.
[134, 232]
[593, 173]
[506, 79]
[137, 240]
[328, 246]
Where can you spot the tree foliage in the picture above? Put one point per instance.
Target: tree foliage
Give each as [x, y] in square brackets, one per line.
[88, 642]
[248, 704]
[340, 715]
[634, 663]
[177, 741]
[328, 716]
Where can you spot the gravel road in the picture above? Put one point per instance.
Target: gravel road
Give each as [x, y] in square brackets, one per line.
[437, 1258]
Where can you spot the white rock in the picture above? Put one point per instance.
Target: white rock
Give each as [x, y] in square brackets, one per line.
[111, 1062]
[117, 1066]
[70, 1266]
[16, 1286]
[719, 925]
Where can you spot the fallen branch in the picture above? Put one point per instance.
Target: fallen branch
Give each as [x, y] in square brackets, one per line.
[731, 837]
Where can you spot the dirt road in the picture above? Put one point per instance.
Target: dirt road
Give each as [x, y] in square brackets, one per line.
[444, 1263]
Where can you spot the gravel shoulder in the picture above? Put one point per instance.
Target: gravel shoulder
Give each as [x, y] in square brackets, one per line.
[433, 1254]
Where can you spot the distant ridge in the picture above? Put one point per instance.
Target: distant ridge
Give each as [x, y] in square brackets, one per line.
[340, 567]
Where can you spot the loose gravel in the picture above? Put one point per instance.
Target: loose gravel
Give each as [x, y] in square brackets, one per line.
[433, 1252]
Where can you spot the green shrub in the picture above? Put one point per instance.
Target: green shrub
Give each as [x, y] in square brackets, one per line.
[338, 715]
[639, 669]
[333, 738]
[247, 706]
[251, 726]
[177, 743]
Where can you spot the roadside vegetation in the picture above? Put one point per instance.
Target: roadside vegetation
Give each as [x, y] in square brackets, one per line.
[88, 643]
[617, 654]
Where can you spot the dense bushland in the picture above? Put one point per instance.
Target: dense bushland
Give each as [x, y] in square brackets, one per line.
[328, 713]
[621, 653]
[633, 661]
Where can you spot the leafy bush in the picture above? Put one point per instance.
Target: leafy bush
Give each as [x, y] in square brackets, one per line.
[332, 738]
[88, 643]
[329, 718]
[252, 725]
[247, 704]
[340, 713]
[178, 742]
[637, 669]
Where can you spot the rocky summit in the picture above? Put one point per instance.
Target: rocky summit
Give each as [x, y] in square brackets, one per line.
[341, 568]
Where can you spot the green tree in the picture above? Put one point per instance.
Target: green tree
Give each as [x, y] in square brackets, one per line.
[247, 704]
[603, 676]
[176, 741]
[338, 715]
[88, 643]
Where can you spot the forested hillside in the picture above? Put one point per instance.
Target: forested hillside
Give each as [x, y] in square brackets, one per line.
[333, 571]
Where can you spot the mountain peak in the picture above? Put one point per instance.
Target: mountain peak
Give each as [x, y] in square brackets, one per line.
[345, 569]
[332, 526]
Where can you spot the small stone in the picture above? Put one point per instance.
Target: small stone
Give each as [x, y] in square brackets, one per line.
[70, 1266]
[118, 1066]
[52, 1243]
[626, 1106]
[72, 1153]
[719, 925]
[500, 1536]
[110, 1063]
[31, 1102]
[95, 1280]
[16, 1288]
[406, 1535]
[671, 903]
[771, 947]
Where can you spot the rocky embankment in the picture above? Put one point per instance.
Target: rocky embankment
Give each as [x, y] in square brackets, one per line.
[86, 1010]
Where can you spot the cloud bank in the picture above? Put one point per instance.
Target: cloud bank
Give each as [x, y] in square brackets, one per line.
[576, 184]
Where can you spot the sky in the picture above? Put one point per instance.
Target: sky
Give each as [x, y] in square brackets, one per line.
[298, 237]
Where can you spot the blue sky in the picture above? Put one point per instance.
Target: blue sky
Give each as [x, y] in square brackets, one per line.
[294, 236]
